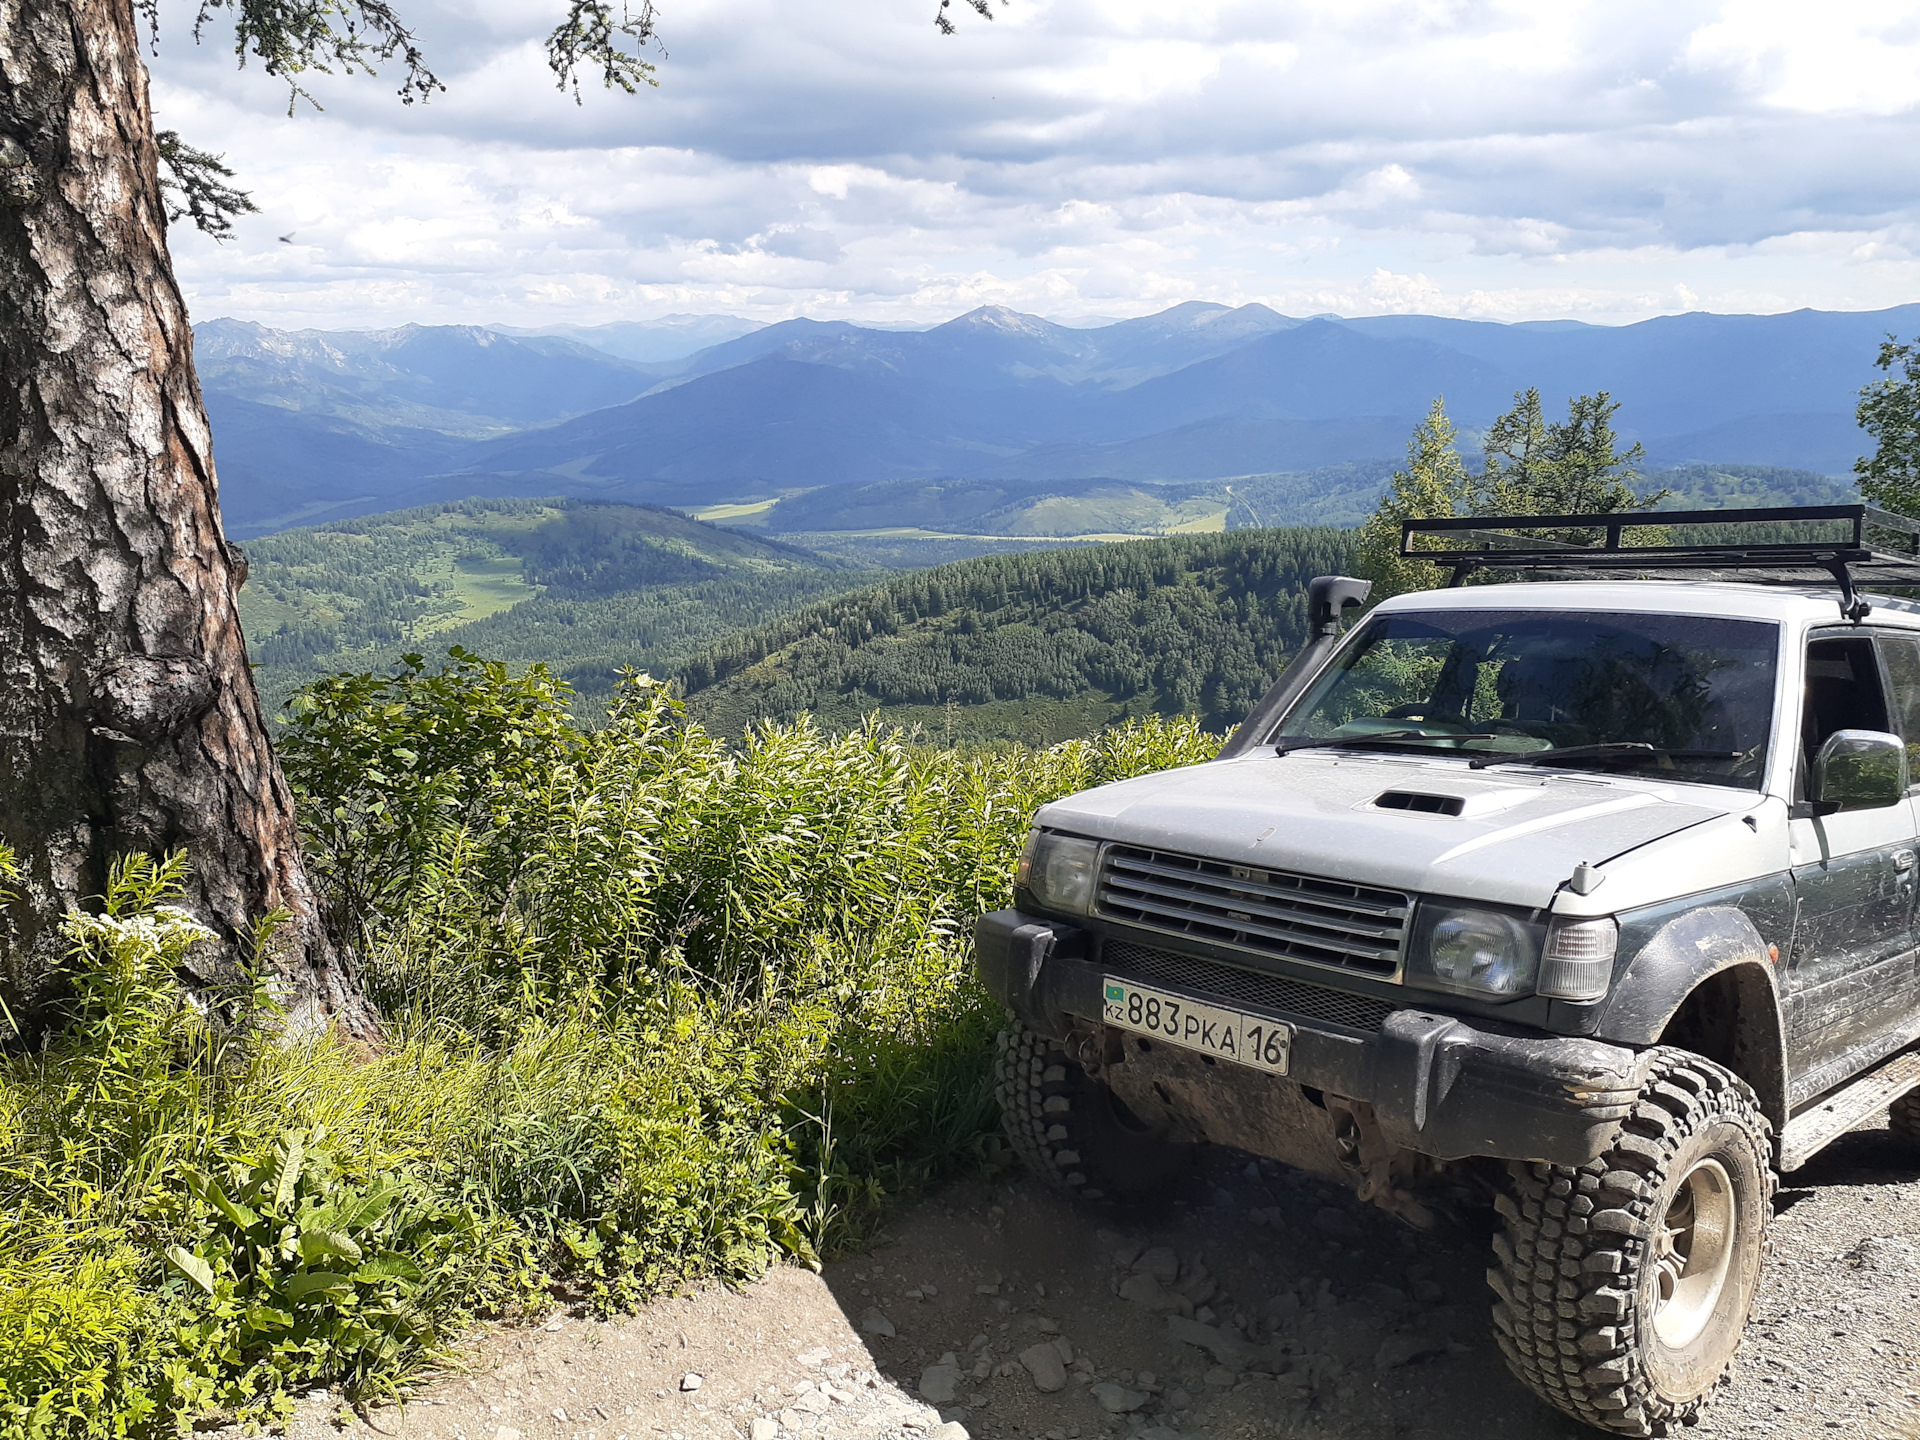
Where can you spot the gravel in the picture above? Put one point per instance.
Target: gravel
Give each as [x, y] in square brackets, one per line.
[1244, 1311]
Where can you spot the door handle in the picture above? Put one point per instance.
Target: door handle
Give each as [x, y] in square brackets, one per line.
[1903, 860]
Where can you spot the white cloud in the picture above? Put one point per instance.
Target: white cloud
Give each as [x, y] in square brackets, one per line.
[1504, 158]
[1852, 57]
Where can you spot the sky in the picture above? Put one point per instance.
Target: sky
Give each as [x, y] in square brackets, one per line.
[1603, 162]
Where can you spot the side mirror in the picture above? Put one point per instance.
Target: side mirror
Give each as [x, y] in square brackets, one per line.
[1858, 770]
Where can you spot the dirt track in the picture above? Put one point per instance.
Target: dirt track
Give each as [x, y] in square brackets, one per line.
[1332, 1321]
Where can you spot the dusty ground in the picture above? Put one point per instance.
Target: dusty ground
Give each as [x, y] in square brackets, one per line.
[1324, 1318]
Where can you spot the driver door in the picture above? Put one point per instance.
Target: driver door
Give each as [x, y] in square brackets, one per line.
[1849, 980]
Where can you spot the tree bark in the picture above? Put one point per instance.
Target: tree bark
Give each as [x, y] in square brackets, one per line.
[129, 721]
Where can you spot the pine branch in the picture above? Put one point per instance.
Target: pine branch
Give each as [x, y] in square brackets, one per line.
[193, 186]
[591, 36]
[983, 8]
[291, 37]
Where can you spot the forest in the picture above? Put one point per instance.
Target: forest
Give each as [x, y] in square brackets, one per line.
[1190, 625]
[586, 588]
[593, 588]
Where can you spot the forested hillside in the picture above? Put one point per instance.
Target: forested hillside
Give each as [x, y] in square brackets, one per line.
[1036, 646]
[588, 588]
[603, 585]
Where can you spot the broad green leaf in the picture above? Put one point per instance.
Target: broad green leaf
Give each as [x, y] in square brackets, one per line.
[288, 1157]
[359, 1216]
[191, 1266]
[265, 1317]
[236, 1214]
[387, 1267]
[317, 1283]
[316, 1245]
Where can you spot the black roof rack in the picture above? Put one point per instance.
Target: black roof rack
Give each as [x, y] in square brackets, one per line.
[1802, 544]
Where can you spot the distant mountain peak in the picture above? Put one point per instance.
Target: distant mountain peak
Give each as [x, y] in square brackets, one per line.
[1002, 318]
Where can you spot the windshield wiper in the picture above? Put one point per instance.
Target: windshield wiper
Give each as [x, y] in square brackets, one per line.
[1611, 750]
[1288, 744]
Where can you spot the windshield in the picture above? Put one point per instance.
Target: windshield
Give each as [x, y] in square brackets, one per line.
[1688, 696]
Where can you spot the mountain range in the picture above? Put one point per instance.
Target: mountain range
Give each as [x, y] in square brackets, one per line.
[320, 425]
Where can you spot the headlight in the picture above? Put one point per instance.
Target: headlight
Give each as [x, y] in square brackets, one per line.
[1473, 950]
[1058, 871]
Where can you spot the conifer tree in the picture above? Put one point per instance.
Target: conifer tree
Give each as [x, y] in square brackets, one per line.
[1530, 466]
[1573, 467]
[1435, 483]
[1889, 410]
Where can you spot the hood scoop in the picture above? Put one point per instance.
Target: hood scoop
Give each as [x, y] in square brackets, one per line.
[1419, 803]
[1471, 806]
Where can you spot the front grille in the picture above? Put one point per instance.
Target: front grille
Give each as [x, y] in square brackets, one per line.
[1264, 912]
[1212, 980]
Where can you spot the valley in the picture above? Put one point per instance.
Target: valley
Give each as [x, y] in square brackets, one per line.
[968, 636]
[586, 589]
[715, 501]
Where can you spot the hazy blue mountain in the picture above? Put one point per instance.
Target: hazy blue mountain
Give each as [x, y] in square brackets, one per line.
[1321, 370]
[995, 395]
[1224, 446]
[280, 467]
[458, 379]
[671, 337]
[768, 424]
[1682, 375]
[317, 425]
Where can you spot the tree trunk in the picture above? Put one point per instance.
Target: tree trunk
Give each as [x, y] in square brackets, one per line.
[128, 715]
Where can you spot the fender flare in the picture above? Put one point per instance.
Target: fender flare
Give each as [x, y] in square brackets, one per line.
[1686, 953]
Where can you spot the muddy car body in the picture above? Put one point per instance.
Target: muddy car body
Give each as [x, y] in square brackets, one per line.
[1610, 881]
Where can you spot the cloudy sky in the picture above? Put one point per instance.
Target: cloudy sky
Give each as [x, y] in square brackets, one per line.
[839, 158]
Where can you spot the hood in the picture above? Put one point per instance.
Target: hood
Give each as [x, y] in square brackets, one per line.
[1509, 837]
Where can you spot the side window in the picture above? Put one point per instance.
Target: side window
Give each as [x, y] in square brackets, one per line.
[1843, 693]
[1901, 655]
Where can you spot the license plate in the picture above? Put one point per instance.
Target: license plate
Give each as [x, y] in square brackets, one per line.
[1211, 1029]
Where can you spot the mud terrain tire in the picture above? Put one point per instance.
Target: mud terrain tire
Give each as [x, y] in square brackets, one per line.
[1073, 1132]
[1903, 1117]
[1625, 1284]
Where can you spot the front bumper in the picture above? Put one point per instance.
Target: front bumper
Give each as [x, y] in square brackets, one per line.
[1438, 1085]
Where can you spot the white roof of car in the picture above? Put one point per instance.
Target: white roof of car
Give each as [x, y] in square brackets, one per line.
[1734, 600]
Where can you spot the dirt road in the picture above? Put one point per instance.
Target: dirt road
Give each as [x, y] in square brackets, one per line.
[1260, 1306]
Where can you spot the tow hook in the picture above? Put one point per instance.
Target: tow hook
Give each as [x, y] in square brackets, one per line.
[1375, 1163]
[1095, 1049]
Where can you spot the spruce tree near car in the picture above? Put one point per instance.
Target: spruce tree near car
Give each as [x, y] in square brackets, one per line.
[1529, 466]
[1889, 410]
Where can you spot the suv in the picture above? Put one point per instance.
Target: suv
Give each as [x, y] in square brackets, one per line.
[1600, 894]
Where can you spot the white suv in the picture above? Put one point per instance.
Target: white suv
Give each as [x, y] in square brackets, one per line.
[1599, 893]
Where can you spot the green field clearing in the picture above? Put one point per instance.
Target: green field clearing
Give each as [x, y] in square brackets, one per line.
[716, 514]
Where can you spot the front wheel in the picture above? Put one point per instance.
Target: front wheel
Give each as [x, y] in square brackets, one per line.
[1073, 1131]
[1625, 1284]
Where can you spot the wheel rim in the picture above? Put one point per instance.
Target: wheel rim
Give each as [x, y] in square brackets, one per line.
[1693, 1253]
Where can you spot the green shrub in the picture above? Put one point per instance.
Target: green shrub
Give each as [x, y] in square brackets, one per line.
[658, 1008]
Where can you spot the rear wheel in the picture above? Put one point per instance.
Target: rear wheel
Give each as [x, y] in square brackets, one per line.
[1073, 1131]
[1903, 1117]
[1625, 1284]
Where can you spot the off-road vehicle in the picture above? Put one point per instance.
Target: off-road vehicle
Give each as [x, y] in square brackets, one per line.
[1598, 892]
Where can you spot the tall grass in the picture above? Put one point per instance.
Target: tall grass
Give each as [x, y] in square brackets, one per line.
[657, 1008]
